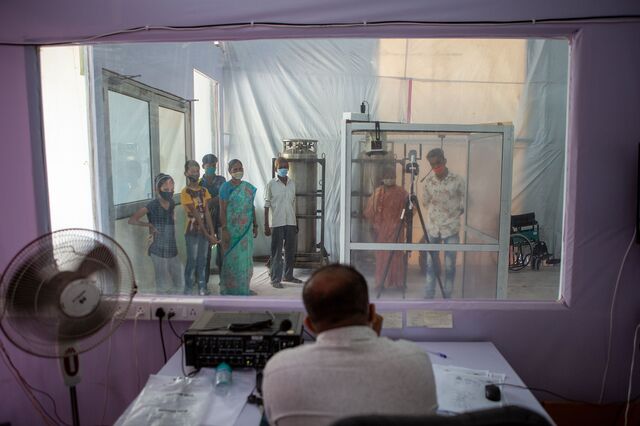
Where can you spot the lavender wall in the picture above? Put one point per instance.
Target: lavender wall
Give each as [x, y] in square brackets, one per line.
[552, 346]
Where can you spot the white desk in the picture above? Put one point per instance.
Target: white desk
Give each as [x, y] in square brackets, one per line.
[474, 355]
[485, 356]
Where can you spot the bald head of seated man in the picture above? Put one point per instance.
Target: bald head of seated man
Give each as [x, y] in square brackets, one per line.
[350, 369]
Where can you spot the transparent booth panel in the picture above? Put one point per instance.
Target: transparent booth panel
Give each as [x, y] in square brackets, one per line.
[483, 204]
[474, 275]
[382, 181]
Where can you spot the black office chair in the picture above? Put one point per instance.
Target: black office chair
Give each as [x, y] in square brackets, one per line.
[504, 416]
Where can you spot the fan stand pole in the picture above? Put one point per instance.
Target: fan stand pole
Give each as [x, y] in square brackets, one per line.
[74, 406]
[69, 364]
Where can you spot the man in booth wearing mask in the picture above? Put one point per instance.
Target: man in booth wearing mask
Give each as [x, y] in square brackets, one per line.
[383, 211]
[213, 182]
[281, 224]
[444, 194]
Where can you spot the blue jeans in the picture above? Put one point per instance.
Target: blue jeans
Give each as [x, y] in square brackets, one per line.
[218, 258]
[449, 267]
[288, 237]
[196, 246]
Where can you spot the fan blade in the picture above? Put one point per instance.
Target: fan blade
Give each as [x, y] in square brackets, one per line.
[29, 281]
[99, 258]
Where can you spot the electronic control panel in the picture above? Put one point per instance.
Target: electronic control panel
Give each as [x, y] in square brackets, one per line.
[240, 339]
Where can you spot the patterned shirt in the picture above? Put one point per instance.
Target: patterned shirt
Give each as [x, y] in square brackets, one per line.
[444, 200]
[199, 199]
[164, 241]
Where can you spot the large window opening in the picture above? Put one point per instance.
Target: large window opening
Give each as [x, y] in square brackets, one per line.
[132, 111]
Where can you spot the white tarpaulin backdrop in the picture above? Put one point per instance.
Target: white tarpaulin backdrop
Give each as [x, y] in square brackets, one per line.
[283, 89]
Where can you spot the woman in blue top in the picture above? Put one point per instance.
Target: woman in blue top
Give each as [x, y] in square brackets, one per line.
[162, 232]
[239, 228]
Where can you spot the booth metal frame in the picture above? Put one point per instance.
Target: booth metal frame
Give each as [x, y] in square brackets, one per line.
[500, 246]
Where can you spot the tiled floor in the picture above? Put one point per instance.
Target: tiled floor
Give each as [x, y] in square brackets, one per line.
[526, 284]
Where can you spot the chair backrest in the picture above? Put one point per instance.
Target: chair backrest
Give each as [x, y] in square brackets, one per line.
[503, 416]
[525, 219]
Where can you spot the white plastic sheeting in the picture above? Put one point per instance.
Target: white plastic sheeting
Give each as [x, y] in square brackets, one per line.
[282, 89]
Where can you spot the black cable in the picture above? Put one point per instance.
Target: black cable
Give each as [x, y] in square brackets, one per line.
[147, 28]
[160, 314]
[304, 330]
[398, 22]
[171, 315]
[546, 391]
[194, 372]
[255, 396]
[595, 404]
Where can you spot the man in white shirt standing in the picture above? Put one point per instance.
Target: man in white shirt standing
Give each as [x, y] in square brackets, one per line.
[444, 194]
[280, 202]
[349, 370]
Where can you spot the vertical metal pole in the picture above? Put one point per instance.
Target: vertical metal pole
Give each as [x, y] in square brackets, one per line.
[323, 251]
[345, 193]
[466, 218]
[74, 406]
[505, 210]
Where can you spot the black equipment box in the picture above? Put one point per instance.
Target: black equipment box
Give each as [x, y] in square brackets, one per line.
[241, 339]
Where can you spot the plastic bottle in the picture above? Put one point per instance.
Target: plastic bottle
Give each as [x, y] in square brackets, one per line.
[223, 378]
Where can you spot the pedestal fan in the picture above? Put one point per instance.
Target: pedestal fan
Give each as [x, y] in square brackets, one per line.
[59, 297]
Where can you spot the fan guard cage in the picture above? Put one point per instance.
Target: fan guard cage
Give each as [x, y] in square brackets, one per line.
[32, 314]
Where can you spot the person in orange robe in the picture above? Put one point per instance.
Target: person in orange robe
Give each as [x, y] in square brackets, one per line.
[383, 211]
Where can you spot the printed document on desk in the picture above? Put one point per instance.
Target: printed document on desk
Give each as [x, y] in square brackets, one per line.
[462, 389]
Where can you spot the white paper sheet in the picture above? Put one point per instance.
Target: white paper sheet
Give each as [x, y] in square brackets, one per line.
[462, 389]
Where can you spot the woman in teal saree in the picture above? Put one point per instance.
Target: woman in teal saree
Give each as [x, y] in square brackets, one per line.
[239, 228]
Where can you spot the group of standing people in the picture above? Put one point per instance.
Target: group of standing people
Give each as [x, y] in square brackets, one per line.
[217, 212]
[220, 212]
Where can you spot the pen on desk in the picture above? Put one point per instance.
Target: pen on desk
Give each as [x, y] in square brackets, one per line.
[440, 354]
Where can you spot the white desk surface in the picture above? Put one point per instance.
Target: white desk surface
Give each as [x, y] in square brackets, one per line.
[474, 355]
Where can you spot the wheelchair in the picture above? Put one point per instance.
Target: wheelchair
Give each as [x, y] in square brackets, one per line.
[525, 246]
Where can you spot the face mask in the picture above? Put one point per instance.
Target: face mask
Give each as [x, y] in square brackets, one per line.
[167, 195]
[389, 182]
[283, 172]
[192, 179]
[237, 175]
[210, 171]
[438, 169]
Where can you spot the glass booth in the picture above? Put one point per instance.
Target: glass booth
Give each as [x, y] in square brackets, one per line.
[425, 208]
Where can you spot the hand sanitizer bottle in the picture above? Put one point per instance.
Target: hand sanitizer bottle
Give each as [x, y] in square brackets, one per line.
[223, 378]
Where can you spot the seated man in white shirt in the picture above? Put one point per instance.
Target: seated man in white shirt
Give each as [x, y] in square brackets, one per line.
[349, 370]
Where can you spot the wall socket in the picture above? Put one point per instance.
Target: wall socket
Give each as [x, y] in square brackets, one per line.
[139, 308]
[185, 308]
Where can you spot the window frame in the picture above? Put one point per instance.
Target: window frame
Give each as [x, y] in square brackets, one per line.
[156, 99]
[266, 301]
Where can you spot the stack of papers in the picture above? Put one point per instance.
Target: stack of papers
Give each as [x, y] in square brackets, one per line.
[462, 389]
